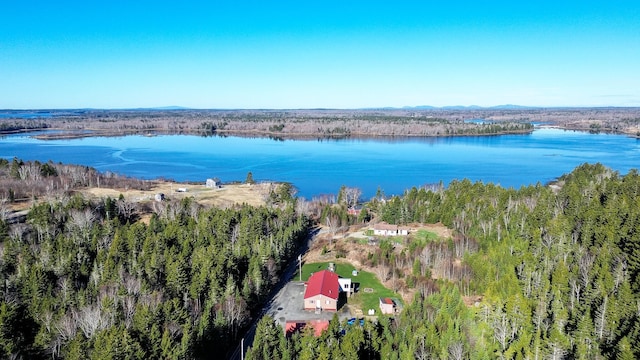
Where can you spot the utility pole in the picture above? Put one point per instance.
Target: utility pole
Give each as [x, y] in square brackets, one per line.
[242, 349]
[300, 266]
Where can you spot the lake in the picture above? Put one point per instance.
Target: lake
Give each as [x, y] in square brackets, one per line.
[317, 167]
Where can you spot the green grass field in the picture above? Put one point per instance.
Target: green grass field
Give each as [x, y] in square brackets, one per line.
[426, 236]
[364, 279]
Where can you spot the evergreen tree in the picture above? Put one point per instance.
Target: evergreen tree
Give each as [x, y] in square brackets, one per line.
[249, 179]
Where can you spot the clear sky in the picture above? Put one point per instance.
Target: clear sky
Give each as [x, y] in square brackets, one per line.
[309, 54]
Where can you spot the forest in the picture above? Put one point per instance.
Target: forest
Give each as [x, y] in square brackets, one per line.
[260, 123]
[544, 272]
[554, 271]
[81, 279]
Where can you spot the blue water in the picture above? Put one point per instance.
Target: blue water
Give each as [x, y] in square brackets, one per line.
[317, 167]
[24, 115]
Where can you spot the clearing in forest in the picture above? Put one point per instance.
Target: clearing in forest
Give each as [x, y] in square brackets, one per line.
[225, 196]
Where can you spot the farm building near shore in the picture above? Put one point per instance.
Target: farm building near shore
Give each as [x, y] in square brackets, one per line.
[213, 183]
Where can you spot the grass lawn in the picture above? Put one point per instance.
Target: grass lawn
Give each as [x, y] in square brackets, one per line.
[426, 236]
[360, 299]
[398, 240]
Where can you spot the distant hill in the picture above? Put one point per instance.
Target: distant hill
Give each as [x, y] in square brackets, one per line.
[513, 107]
[470, 107]
[165, 108]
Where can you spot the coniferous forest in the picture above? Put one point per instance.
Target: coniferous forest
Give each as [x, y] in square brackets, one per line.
[553, 271]
[81, 281]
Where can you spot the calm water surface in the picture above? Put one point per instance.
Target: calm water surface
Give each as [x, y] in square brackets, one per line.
[322, 166]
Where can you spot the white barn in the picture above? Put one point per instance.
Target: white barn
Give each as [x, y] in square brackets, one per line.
[213, 183]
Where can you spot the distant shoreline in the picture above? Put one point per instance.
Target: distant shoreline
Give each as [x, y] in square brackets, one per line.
[69, 135]
[322, 124]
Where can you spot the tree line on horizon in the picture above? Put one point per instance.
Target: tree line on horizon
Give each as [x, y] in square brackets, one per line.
[277, 124]
[321, 123]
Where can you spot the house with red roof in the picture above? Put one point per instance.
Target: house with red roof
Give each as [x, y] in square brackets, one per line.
[323, 291]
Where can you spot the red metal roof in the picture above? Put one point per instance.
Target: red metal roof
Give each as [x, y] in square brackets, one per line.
[386, 301]
[324, 283]
[318, 326]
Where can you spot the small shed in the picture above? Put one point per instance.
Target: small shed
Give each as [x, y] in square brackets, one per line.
[387, 306]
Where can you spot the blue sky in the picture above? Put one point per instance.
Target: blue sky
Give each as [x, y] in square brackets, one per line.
[308, 54]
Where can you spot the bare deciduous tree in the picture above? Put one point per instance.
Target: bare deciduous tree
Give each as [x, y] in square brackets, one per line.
[82, 221]
[303, 207]
[456, 351]
[65, 288]
[235, 231]
[426, 287]
[131, 283]
[601, 319]
[126, 208]
[557, 351]
[585, 263]
[272, 270]
[4, 209]
[67, 327]
[160, 208]
[234, 309]
[421, 353]
[129, 309]
[502, 330]
[91, 319]
[351, 196]
[382, 270]
[619, 271]
[333, 223]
